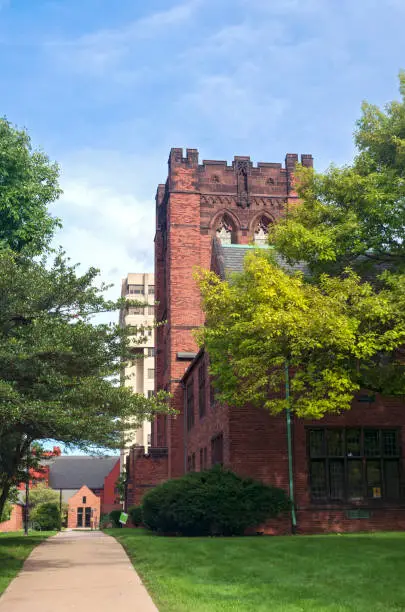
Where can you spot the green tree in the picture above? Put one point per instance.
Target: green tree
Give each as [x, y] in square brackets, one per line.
[340, 328]
[28, 185]
[329, 334]
[355, 215]
[60, 372]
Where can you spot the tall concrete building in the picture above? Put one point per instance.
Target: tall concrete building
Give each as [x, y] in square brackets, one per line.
[140, 374]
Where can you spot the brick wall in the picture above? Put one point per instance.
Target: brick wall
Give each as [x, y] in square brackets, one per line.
[16, 521]
[144, 472]
[189, 209]
[111, 499]
[76, 501]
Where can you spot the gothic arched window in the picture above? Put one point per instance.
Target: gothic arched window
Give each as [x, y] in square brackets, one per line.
[262, 232]
[225, 231]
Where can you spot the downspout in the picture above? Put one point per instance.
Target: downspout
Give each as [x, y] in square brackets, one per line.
[183, 386]
[289, 450]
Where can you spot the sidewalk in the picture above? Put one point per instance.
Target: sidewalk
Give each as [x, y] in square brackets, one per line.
[77, 571]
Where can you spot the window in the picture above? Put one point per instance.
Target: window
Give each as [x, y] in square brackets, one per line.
[135, 289]
[151, 373]
[190, 405]
[261, 233]
[354, 464]
[151, 393]
[151, 289]
[84, 498]
[151, 310]
[201, 390]
[203, 458]
[193, 462]
[151, 352]
[217, 450]
[135, 310]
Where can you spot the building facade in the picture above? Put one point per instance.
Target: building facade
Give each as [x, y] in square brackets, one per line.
[347, 469]
[140, 373]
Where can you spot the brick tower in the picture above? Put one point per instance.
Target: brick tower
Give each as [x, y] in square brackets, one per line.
[198, 202]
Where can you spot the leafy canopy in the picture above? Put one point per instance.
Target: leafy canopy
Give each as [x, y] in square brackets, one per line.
[263, 318]
[28, 185]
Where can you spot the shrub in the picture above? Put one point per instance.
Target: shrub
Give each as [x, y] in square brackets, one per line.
[215, 502]
[115, 518]
[105, 521]
[47, 516]
[135, 513]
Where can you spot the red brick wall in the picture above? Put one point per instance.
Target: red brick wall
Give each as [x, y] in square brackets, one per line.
[16, 521]
[111, 499]
[144, 472]
[76, 501]
[188, 209]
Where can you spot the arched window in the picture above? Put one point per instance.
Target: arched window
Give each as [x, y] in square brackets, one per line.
[225, 231]
[262, 231]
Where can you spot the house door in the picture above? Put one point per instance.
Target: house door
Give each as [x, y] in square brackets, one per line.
[80, 517]
[87, 517]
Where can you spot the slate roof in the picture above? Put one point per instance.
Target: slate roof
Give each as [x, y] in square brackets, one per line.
[230, 258]
[72, 472]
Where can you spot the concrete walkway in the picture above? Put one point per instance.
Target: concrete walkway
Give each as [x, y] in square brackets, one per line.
[81, 571]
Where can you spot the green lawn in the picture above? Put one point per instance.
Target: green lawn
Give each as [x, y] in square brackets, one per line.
[14, 549]
[356, 573]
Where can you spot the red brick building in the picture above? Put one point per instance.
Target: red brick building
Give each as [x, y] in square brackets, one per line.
[347, 469]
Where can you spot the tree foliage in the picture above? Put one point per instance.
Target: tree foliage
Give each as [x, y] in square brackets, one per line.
[340, 327]
[60, 372]
[28, 185]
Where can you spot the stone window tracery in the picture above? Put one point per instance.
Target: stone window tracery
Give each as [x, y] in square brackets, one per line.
[224, 231]
[262, 232]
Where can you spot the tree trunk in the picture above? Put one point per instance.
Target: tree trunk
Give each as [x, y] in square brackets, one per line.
[5, 490]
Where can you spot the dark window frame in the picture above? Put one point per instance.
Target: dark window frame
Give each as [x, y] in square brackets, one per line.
[355, 457]
[202, 400]
[217, 449]
[190, 404]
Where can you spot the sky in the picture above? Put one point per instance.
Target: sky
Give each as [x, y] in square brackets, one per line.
[107, 88]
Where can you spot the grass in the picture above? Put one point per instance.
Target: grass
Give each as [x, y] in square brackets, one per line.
[14, 549]
[345, 573]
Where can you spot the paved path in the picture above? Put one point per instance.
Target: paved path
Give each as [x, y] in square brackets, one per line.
[80, 571]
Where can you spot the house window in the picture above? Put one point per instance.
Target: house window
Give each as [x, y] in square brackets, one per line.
[151, 373]
[217, 449]
[151, 310]
[151, 393]
[201, 390]
[135, 289]
[151, 289]
[190, 405]
[84, 498]
[151, 352]
[261, 234]
[354, 464]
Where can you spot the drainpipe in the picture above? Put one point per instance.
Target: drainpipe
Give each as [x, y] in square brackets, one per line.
[289, 449]
[183, 386]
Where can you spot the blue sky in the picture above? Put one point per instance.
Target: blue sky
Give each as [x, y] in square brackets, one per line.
[106, 88]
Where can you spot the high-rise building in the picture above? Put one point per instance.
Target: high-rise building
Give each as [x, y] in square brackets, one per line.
[140, 373]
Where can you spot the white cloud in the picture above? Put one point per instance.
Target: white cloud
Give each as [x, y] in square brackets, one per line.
[100, 52]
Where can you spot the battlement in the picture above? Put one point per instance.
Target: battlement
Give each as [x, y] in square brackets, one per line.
[191, 159]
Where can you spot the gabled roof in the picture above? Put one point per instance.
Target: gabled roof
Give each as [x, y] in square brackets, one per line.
[72, 472]
[230, 258]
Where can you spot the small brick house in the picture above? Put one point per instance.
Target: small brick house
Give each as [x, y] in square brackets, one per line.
[84, 509]
[347, 469]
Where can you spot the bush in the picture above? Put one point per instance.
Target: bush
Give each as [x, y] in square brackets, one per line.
[47, 516]
[135, 513]
[215, 502]
[115, 518]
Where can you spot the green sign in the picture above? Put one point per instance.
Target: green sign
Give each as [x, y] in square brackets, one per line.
[358, 514]
[123, 518]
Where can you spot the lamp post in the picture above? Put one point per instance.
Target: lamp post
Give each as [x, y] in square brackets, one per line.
[289, 448]
[27, 492]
